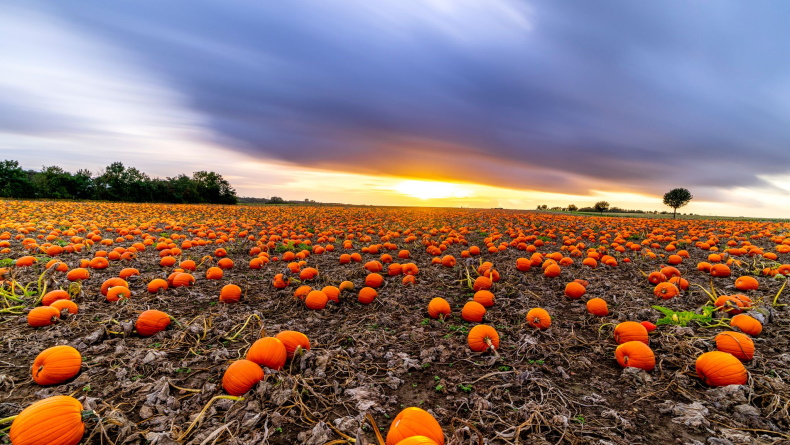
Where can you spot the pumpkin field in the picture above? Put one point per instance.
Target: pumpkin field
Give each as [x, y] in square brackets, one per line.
[206, 324]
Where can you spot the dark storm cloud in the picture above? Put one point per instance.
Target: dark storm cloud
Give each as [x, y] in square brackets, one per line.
[556, 96]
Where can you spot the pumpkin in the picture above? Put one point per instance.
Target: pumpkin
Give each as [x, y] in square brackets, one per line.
[56, 420]
[269, 352]
[374, 280]
[412, 422]
[670, 272]
[482, 337]
[484, 297]
[25, 261]
[682, 283]
[78, 274]
[746, 283]
[308, 273]
[99, 263]
[116, 293]
[65, 304]
[215, 273]
[316, 300]
[241, 376]
[373, 266]
[665, 290]
[574, 290]
[56, 365]
[394, 269]
[735, 343]
[523, 265]
[720, 270]
[367, 295]
[332, 293]
[225, 263]
[187, 265]
[473, 312]
[410, 269]
[53, 296]
[597, 307]
[417, 440]
[151, 321]
[42, 316]
[112, 282]
[439, 307]
[167, 261]
[630, 331]
[293, 341]
[301, 292]
[279, 281]
[183, 279]
[650, 327]
[635, 354]
[156, 285]
[448, 261]
[733, 304]
[747, 324]
[552, 271]
[538, 318]
[717, 368]
[482, 283]
[656, 277]
[346, 285]
[230, 293]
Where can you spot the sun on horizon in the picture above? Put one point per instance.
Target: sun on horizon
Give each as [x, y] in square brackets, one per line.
[432, 189]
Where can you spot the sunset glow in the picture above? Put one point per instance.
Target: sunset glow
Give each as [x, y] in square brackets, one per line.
[432, 189]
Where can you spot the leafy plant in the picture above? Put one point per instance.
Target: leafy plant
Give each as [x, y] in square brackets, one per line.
[683, 318]
[465, 388]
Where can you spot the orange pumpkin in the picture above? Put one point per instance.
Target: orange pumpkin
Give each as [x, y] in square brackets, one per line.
[332, 293]
[733, 304]
[539, 318]
[735, 343]
[484, 297]
[367, 295]
[65, 304]
[308, 273]
[635, 354]
[417, 440]
[747, 324]
[294, 341]
[279, 281]
[56, 365]
[215, 273]
[53, 296]
[42, 316]
[151, 321]
[482, 337]
[656, 277]
[746, 283]
[439, 307]
[225, 263]
[183, 280]
[25, 261]
[720, 270]
[374, 280]
[78, 274]
[597, 307]
[574, 290]
[412, 422]
[665, 290]
[230, 293]
[473, 312]
[552, 271]
[116, 293]
[630, 331]
[482, 283]
[241, 376]
[269, 352]
[373, 266]
[346, 285]
[56, 420]
[718, 368]
[156, 285]
[316, 300]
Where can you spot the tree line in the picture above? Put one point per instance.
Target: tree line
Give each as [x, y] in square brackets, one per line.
[674, 198]
[115, 183]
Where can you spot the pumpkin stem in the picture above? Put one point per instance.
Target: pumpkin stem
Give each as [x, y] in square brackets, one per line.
[491, 346]
[776, 298]
[375, 428]
[203, 411]
[246, 322]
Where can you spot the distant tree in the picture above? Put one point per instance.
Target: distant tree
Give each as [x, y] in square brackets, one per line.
[572, 208]
[14, 181]
[213, 188]
[276, 200]
[677, 198]
[601, 206]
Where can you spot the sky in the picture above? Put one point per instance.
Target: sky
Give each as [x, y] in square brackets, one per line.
[472, 103]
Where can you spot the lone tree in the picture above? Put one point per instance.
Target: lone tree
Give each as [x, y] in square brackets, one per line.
[572, 208]
[601, 206]
[676, 198]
